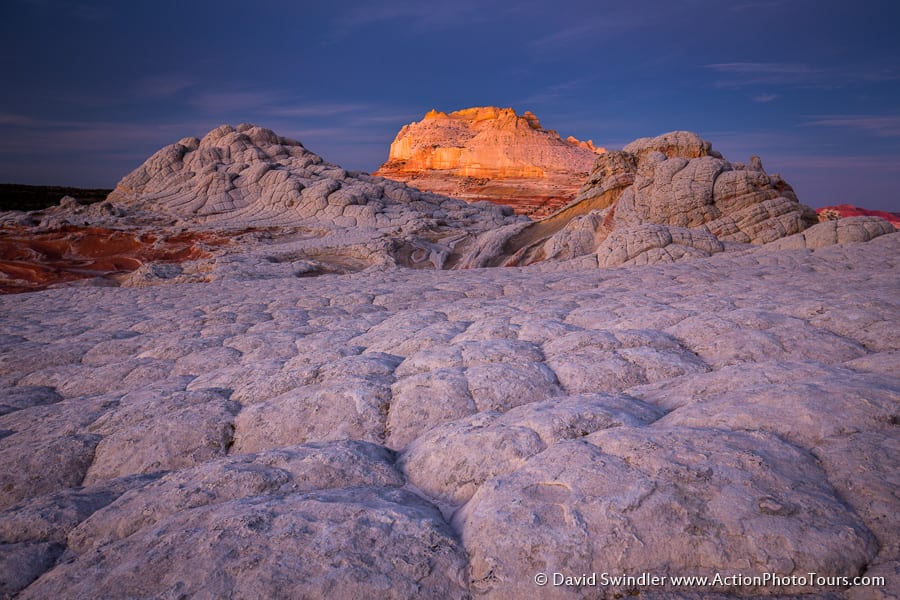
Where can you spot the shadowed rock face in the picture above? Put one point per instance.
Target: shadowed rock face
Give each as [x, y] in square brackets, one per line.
[492, 154]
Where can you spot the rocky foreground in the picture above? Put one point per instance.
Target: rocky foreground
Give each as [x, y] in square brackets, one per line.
[323, 409]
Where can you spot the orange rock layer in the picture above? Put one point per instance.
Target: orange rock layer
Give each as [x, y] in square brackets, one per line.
[30, 262]
[493, 154]
[840, 211]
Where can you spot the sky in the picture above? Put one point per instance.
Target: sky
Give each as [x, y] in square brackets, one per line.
[91, 88]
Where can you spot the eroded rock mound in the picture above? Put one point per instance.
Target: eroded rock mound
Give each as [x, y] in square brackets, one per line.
[667, 198]
[493, 154]
[250, 175]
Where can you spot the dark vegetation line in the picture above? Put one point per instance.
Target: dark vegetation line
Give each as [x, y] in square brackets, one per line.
[14, 196]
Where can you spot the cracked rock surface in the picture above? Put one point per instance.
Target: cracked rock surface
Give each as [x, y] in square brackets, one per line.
[402, 433]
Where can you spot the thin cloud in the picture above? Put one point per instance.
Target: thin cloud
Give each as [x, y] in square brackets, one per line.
[420, 17]
[565, 36]
[269, 104]
[333, 135]
[379, 119]
[762, 5]
[553, 93]
[765, 98]
[880, 163]
[591, 28]
[755, 67]
[316, 110]
[51, 136]
[162, 86]
[738, 75]
[881, 75]
[781, 150]
[422, 14]
[299, 134]
[16, 120]
[236, 101]
[879, 125]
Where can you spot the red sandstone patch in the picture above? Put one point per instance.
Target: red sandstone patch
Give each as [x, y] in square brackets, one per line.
[34, 261]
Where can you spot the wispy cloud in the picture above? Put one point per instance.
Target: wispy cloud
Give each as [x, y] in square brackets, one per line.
[765, 68]
[759, 5]
[262, 103]
[749, 74]
[554, 92]
[738, 75]
[16, 120]
[378, 118]
[23, 134]
[566, 35]
[764, 98]
[46, 137]
[234, 101]
[316, 110]
[333, 135]
[423, 14]
[85, 153]
[419, 17]
[879, 125]
[786, 149]
[161, 86]
[313, 132]
[869, 163]
[94, 153]
[592, 28]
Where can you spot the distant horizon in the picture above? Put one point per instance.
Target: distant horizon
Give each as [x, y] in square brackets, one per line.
[812, 87]
[896, 209]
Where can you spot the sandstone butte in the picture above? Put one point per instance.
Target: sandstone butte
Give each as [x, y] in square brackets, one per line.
[493, 154]
[694, 377]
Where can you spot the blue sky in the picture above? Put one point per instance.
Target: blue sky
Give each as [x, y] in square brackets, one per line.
[90, 89]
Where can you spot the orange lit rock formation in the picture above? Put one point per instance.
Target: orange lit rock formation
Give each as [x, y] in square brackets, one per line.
[493, 154]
